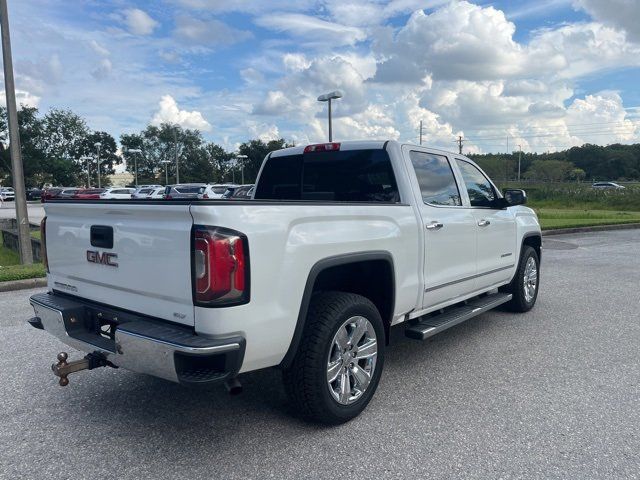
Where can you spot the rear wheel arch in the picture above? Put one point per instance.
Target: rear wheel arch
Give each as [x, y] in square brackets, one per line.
[337, 274]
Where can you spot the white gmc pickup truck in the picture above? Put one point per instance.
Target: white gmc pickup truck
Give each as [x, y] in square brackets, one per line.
[341, 242]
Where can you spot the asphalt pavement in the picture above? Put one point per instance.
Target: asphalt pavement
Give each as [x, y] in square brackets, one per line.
[34, 210]
[554, 393]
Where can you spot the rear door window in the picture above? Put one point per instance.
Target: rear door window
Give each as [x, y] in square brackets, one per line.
[435, 178]
[339, 176]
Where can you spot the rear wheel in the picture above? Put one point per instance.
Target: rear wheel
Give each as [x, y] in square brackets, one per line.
[525, 283]
[339, 362]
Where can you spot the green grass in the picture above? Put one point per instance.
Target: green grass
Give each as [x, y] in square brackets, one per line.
[551, 218]
[10, 268]
[21, 272]
[35, 234]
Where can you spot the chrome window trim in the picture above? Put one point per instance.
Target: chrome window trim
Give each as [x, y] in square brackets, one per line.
[471, 277]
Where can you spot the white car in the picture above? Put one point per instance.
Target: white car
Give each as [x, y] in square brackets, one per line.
[7, 194]
[156, 193]
[216, 190]
[341, 242]
[117, 193]
[142, 192]
[607, 186]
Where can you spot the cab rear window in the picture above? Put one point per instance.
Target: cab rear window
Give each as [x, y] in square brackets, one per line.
[337, 176]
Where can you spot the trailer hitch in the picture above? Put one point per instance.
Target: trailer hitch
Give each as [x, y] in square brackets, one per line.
[63, 368]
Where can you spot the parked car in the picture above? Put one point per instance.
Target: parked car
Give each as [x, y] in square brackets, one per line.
[607, 186]
[242, 192]
[34, 194]
[184, 190]
[50, 193]
[88, 194]
[156, 193]
[343, 241]
[68, 192]
[7, 194]
[117, 193]
[142, 192]
[215, 190]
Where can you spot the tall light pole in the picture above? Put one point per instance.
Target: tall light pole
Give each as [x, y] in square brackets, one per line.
[175, 151]
[327, 97]
[242, 158]
[98, 145]
[166, 171]
[87, 159]
[22, 214]
[519, 160]
[135, 163]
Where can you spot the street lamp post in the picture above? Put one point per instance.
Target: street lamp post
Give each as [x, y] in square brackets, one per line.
[175, 151]
[242, 158]
[98, 145]
[166, 171]
[327, 97]
[135, 163]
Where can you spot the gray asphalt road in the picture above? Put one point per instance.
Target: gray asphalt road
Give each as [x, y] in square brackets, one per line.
[35, 211]
[554, 393]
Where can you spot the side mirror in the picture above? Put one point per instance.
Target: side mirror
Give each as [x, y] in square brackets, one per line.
[514, 197]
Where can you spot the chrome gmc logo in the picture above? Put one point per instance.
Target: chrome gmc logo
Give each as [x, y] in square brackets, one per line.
[104, 258]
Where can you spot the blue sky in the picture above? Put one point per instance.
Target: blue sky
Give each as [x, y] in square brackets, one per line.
[544, 74]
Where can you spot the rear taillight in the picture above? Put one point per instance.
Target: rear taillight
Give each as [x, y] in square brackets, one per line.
[204, 195]
[322, 147]
[43, 243]
[220, 267]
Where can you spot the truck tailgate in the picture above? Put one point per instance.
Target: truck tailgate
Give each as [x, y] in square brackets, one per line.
[147, 269]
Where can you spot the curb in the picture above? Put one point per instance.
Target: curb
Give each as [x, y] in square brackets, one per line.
[594, 228]
[23, 284]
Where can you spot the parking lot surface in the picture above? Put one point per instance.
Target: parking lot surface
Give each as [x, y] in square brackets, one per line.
[554, 393]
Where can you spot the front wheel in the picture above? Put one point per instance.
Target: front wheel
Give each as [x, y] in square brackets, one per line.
[339, 362]
[525, 283]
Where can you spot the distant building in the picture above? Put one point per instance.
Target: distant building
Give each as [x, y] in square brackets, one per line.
[121, 179]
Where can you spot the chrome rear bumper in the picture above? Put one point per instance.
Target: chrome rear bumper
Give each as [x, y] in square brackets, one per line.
[137, 343]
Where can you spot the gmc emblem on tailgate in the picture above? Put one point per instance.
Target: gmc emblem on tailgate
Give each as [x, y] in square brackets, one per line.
[104, 258]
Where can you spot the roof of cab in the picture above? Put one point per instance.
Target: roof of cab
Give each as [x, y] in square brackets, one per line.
[356, 145]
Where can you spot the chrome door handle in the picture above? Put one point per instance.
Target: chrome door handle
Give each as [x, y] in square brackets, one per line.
[435, 226]
[484, 223]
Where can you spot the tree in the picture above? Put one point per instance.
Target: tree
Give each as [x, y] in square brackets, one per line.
[108, 157]
[256, 150]
[549, 170]
[577, 174]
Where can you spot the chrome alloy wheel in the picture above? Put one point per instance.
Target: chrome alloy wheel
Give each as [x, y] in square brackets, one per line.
[352, 360]
[530, 282]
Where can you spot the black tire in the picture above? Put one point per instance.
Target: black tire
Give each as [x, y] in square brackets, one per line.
[305, 380]
[519, 302]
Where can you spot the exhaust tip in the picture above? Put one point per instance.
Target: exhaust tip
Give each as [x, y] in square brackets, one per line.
[233, 386]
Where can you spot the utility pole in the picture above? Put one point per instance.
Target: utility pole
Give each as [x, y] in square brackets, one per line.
[519, 160]
[420, 133]
[22, 214]
[460, 140]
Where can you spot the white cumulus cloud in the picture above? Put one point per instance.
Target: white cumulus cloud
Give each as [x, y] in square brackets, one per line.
[169, 112]
[138, 22]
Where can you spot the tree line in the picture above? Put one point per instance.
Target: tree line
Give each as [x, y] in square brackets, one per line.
[59, 148]
[586, 163]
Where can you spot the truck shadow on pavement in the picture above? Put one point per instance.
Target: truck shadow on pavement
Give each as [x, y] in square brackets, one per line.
[206, 415]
